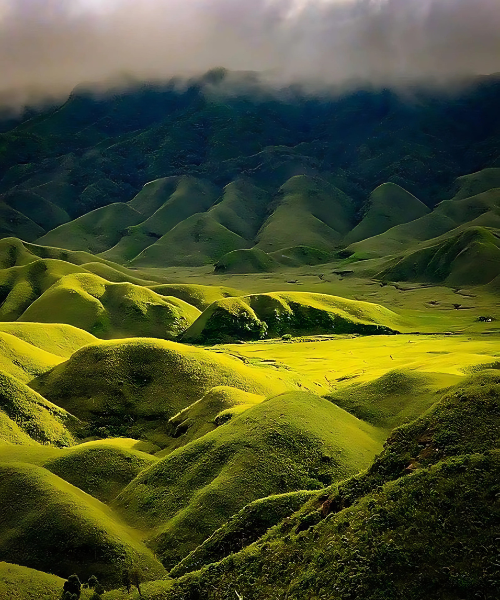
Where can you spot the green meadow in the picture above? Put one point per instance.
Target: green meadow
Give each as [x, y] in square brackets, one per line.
[241, 358]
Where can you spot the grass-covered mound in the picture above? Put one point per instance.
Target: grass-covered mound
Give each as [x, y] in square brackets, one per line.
[421, 522]
[309, 211]
[290, 442]
[49, 525]
[216, 407]
[22, 583]
[471, 257]
[56, 338]
[250, 260]
[41, 420]
[389, 205]
[477, 183]
[111, 309]
[243, 529]
[297, 256]
[132, 387]
[101, 469]
[274, 314]
[163, 204]
[482, 210]
[23, 360]
[396, 397]
[95, 231]
[200, 296]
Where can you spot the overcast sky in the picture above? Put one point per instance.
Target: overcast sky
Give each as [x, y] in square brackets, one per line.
[49, 46]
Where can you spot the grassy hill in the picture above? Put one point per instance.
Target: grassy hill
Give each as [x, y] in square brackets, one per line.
[250, 260]
[22, 583]
[50, 525]
[470, 257]
[275, 314]
[389, 205]
[426, 508]
[290, 442]
[132, 387]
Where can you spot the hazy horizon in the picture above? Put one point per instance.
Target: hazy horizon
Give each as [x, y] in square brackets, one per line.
[49, 47]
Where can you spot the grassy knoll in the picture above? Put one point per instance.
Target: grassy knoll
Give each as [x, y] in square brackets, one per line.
[292, 441]
[200, 296]
[389, 205]
[163, 203]
[261, 315]
[22, 583]
[420, 522]
[250, 260]
[95, 231]
[132, 387]
[23, 360]
[50, 525]
[40, 419]
[56, 338]
[111, 309]
[309, 211]
[471, 257]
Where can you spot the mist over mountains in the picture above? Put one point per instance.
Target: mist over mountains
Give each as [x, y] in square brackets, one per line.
[47, 49]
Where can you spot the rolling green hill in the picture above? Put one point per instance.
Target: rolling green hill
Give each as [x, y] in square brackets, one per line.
[275, 314]
[290, 442]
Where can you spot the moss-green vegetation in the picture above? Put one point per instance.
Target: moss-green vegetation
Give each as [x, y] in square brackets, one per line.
[251, 260]
[289, 442]
[389, 205]
[200, 296]
[50, 525]
[132, 387]
[261, 315]
[22, 583]
[111, 309]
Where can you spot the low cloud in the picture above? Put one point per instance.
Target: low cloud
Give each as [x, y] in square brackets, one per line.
[49, 46]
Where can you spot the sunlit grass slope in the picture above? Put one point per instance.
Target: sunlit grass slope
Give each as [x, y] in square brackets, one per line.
[389, 205]
[290, 442]
[243, 528]
[55, 338]
[111, 309]
[297, 256]
[132, 387]
[95, 231]
[23, 360]
[471, 257]
[310, 212]
[22, 583]
[163, 204]
[477, 183]
[217, 406]
[274, 314]
[420, 522]
[101, 469]
[40, 419]
[200, 296]
[50, 525]
[205, 237]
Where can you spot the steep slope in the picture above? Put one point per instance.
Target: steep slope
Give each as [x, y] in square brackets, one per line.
[163, 203]
[274, 314]
[41, 420]
[23, 360]
[482, 210]
[110, 309]
[41, 211]
[95, 231]
[309, 211]
[389, 205]
[421, 521]
[290, 442]
[470, 257]
[50, 525]
[132, 387]
[200, 296]
[205, 237]
[22, 583]
[477, 183]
